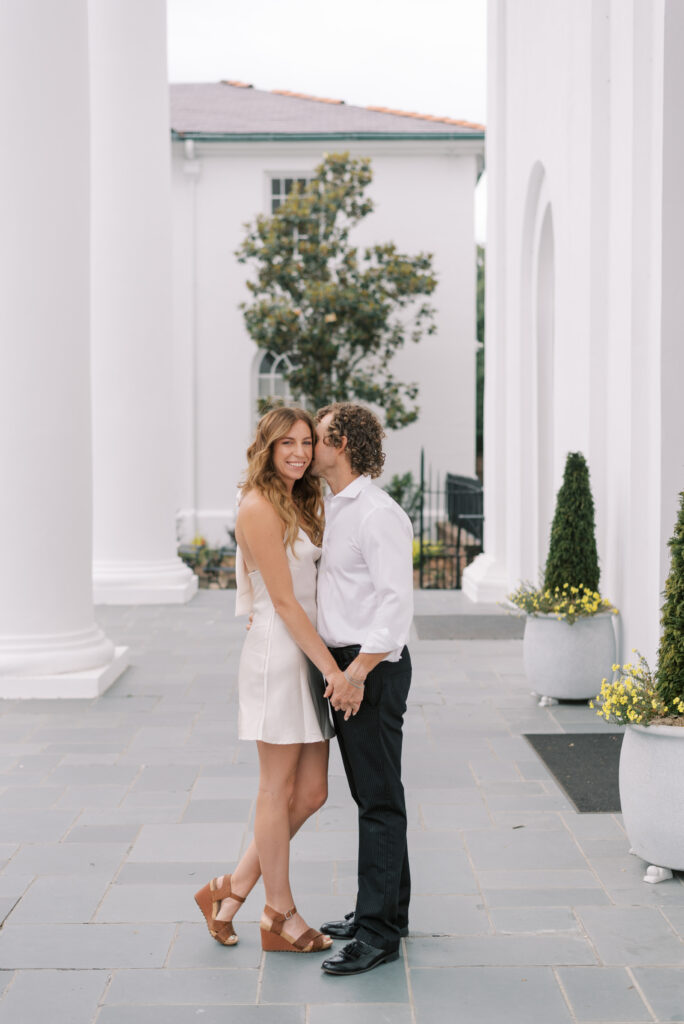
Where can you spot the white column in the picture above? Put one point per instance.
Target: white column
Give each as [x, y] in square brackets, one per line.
[50, 645]
[486, 578]
[134, 424]
[669, 449]
[188, 171]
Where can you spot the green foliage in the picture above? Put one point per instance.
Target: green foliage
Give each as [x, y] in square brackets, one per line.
[573, 558]
[479, 358]
[480, 295]
[213, 566]
[431, 550]
[265, 405]
[670, 669]
[339, 313]
[406, 493]
[479, 400]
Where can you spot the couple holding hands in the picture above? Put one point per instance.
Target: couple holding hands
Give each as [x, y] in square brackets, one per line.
[331, 612]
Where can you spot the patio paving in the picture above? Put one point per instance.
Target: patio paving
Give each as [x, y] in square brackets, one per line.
[114, 811]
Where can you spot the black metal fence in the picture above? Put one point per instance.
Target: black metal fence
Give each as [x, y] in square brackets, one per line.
[450, 526]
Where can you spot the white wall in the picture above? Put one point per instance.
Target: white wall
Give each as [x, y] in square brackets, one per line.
[423, 203]
[577, 93]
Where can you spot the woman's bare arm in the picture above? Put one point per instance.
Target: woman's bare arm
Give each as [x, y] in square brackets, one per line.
[259, 531]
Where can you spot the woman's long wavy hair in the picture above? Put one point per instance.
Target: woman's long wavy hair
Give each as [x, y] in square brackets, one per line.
[304, 507]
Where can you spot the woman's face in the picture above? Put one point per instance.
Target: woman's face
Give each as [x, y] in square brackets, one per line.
[292, 454]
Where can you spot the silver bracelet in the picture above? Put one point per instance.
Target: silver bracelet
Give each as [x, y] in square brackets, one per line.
[353, 682]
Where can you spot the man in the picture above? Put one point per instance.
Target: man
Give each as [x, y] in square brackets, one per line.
[365, 609]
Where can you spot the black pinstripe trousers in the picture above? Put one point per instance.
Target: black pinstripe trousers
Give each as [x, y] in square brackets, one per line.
[370, 744]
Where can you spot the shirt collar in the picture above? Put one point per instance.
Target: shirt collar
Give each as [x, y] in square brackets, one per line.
[353, 489]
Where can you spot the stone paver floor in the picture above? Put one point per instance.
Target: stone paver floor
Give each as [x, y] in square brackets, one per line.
[114, 811]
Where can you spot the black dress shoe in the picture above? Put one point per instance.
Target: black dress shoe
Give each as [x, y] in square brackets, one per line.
[357, 957]
[346, 928]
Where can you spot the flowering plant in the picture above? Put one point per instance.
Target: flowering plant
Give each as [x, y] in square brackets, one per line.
[633, 698]
[567, 603]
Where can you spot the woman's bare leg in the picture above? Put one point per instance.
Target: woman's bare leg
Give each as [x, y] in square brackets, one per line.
[309, 794]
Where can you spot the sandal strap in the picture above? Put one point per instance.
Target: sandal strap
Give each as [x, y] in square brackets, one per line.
[223, 929]
[310, 937]
[278, 919]
[224, 891]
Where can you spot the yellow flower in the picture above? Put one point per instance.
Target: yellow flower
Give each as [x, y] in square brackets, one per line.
[330, 318]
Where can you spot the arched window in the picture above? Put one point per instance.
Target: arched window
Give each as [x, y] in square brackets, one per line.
[270, 381]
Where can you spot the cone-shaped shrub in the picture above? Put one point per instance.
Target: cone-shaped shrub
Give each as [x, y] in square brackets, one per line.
[670, 670]
[573, 558]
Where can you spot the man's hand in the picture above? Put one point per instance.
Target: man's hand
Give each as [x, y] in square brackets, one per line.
[344, 696]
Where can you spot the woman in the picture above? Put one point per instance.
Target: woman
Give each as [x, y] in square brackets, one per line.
[279, 530]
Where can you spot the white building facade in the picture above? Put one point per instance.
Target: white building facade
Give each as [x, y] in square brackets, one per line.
[585, 307]
[234, 149]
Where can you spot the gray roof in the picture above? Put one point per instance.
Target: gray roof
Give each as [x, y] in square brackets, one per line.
[234, 110]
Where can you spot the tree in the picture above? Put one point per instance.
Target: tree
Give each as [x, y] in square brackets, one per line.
[479, 358]
[573, 558]
[338, 313]
[480, 294]
[670, 671]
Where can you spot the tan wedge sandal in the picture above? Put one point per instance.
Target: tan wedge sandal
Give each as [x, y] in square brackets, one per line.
[274, 939]
[208, 899]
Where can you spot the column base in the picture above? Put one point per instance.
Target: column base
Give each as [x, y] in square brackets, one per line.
[169, 582]
[82, 685]
[484, 580]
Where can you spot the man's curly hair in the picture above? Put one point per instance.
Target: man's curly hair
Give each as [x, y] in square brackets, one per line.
[364, 434]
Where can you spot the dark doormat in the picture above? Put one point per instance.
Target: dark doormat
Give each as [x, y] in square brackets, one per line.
[585, 765]
[470, 627]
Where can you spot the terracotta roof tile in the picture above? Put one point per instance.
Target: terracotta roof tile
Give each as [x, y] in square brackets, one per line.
[303, 96]
[428, 117]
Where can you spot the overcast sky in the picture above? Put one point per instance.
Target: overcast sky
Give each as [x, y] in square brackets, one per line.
[427, 56]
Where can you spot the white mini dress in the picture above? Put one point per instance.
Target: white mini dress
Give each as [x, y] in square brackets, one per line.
[280, 691]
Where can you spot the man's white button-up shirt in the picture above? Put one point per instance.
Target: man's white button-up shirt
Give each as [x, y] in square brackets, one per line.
[365, 576]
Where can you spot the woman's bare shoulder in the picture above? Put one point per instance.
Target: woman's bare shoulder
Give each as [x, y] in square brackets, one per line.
[255, 507]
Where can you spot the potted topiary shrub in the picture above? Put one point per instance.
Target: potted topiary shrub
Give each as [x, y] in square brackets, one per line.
[569, 642]
[651, 706]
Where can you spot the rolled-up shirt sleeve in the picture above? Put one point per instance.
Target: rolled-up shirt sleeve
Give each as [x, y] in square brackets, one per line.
[386, 541]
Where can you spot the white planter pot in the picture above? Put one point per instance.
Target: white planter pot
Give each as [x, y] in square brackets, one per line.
[568, 661]
[652, 793]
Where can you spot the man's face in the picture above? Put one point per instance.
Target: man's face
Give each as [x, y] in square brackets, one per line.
[325, 455]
